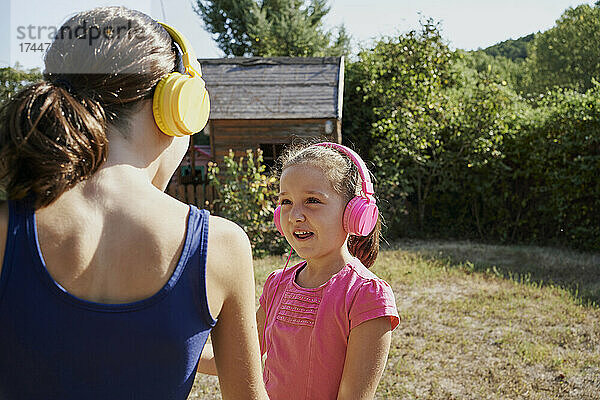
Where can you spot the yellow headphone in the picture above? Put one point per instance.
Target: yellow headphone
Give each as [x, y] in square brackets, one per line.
[181, 104]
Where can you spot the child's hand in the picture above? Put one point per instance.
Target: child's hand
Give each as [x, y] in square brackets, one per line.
[207, 365]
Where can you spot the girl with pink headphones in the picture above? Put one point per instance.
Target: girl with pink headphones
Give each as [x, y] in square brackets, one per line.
[325, 324]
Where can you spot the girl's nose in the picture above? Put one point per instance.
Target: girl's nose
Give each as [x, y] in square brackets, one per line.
[296, 215]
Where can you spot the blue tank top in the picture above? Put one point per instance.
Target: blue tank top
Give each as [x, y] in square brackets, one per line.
[54, 345]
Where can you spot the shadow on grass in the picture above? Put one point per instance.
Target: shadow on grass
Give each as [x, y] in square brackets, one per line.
[578, 273]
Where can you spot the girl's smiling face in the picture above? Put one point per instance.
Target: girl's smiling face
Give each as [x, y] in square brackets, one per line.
[311, 213]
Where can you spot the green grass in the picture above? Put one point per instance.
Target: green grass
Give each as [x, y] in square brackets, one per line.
[484, 322]
[579, 273]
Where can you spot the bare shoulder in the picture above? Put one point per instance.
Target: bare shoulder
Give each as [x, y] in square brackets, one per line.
[228, 262]
[224, 233]
[229, 250]
[3, 230]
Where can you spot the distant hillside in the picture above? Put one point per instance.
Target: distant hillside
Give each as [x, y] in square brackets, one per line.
[512, 48]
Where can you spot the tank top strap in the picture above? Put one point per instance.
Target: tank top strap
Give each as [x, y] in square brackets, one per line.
[17, 229]
[198, 235]
[198, 230]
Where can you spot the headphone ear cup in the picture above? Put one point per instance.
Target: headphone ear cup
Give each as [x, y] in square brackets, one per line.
[276, 219]
[192, 105]
[181, 104]
[158, 108]
[360, 216]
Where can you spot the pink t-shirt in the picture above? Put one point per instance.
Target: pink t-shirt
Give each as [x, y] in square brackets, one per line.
[307, 330]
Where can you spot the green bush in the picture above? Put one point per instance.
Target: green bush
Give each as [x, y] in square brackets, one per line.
[559, 151]
[527, 172]
[459, 152]
[246, 196]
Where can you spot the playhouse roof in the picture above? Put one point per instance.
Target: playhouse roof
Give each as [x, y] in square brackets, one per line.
[274, 88]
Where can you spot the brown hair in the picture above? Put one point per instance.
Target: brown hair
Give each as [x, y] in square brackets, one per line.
[345, 180]
[53, 134]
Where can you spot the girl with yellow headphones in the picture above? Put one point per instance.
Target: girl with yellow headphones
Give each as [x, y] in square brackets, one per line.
[108, 286]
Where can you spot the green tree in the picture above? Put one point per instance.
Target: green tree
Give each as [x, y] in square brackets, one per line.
[498, 68]
[568, 55]
[270, 28]
[515, 49]
[13, 79]
[400, 80]
[433, 124]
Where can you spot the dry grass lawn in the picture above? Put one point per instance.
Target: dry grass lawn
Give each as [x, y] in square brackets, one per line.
[484, 322]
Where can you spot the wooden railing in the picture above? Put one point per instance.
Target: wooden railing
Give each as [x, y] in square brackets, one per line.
[189, 182]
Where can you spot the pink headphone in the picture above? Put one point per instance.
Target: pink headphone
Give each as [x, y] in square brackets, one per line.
[360, 215]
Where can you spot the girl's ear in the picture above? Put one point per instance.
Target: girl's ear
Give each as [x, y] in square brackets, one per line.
[276, 219]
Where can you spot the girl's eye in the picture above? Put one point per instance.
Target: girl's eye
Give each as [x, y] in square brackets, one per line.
[313, 200]
[285, 201]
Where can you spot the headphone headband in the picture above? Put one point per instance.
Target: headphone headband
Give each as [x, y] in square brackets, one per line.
[188, 57]
[367, 185]
[181, 104]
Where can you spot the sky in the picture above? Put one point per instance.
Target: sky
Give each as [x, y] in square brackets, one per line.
[466, 24]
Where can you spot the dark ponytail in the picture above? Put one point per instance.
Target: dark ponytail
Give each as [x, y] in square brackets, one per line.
[49, 141]
[55, 133]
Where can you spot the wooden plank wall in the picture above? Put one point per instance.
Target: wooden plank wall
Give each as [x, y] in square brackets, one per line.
[240, 135]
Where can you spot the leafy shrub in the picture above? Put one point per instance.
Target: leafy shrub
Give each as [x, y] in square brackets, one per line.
[560, 155]
[246, 196]
[459, 152]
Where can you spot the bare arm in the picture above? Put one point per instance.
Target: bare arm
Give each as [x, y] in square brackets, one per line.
[231, 298]
[207, 365]
[261, 317]
[368, 348]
